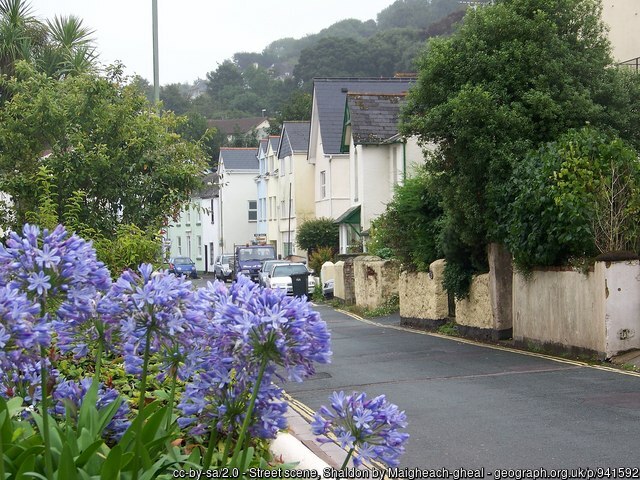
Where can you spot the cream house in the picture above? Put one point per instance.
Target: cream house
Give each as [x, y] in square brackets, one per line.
[295, 185]
[272, 178]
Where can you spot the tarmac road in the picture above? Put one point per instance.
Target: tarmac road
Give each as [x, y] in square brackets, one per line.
[474, 406]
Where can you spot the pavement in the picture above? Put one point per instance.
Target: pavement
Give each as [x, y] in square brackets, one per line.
[628, 359]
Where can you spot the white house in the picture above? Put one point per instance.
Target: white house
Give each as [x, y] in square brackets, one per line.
[273, 189]
[237, 169]
[379, 160]
[194, 233]
[331, 164]
[623, 19]
[261, 184]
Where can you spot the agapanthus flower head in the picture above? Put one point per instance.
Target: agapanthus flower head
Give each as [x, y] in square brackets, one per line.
[370, 425]
[60, 271]
[68, 396]
[247, 328]
[151, 302]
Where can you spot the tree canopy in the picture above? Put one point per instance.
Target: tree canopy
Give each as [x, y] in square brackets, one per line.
[100, 136]
[515, 75]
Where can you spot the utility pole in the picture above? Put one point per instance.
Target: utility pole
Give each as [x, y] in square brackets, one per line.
[156, 74]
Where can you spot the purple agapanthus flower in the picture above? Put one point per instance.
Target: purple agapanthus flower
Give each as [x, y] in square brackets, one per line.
[55, 268]
[68, 396]
[246, 326]
[152, 304]
[370, 425]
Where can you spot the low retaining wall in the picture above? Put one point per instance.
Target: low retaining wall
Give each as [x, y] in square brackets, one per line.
[375, 280]
[423, 300]
[596, 314]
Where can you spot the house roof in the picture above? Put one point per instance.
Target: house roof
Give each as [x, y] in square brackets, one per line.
[295, 138]
[234, 125]
[374, 116]
[330, 94]
[262, 145]
[274, 140]
[239, 158]
[211, 186]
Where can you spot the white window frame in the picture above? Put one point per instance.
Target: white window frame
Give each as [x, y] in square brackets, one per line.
[253, 210]
[323, 184]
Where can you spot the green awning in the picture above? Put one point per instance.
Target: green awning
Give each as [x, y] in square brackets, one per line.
[351, 216]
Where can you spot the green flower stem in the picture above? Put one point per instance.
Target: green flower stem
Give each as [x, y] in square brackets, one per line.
[213, 441]
[141, 403]
[249, 415]
[96, 375]
[346, 460]
[2, 474]
[44, 380]
[172, 395]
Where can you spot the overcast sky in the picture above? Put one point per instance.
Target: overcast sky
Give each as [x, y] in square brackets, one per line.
[196, 35]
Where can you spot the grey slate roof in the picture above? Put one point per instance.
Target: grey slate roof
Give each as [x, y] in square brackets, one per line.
[274, 140]
[211, 186]
[239, 158]
[295, 138]
[330, 96]
[374, 116]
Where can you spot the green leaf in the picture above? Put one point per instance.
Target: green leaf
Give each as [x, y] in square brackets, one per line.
[67, 468]
[86, 455]
[112, 465]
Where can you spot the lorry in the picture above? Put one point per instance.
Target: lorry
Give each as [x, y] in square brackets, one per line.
[248, 260]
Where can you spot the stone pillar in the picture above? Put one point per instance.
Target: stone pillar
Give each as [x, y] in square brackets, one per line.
[423, 301]
[501, 288]
[349, 283]
[338, 281]
[327, 272]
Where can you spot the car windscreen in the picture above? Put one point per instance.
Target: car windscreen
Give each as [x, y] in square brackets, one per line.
[288, 270]
[261, 254]
[182, 260]
[226, 259]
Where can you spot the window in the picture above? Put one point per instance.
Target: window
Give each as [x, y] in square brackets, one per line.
[199, 246]
[179, 245]
[189, 246]
[212, 217]
[211, 253]
[283, 211]
[253, 210]
[323, 184]
[198, 216]
[188, 211]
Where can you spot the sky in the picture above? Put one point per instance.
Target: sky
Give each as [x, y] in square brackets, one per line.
[194, 36]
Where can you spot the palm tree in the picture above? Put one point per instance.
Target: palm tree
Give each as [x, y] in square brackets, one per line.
[22, 36]
[70, 49]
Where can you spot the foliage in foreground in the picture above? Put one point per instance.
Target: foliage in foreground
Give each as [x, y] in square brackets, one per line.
[216, 350]
[316, 233]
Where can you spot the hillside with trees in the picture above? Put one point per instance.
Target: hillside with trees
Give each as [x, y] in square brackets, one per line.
[277, 81]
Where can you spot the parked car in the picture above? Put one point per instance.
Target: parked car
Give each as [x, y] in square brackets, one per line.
[327, 289]
[280, 277]
[266, 269]
[223, 267]
[183, 266]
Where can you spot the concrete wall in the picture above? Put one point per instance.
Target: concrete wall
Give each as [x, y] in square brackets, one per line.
[475, 310]
[328, 272]
[596, 313]
[338, 284]
[375, 280]
[423, 300]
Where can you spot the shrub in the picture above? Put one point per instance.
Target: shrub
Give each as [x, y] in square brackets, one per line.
[576, 197]
[320, 232]
[318, 257]
[408, 229]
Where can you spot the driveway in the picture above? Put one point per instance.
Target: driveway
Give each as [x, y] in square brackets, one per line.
[476, 406]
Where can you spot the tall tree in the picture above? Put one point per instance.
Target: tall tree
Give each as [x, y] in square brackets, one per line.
[515, 75]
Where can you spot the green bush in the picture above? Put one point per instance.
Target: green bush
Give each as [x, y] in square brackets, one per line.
[321, 255]
[320, 232]
[408, 229]
[576, 197]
